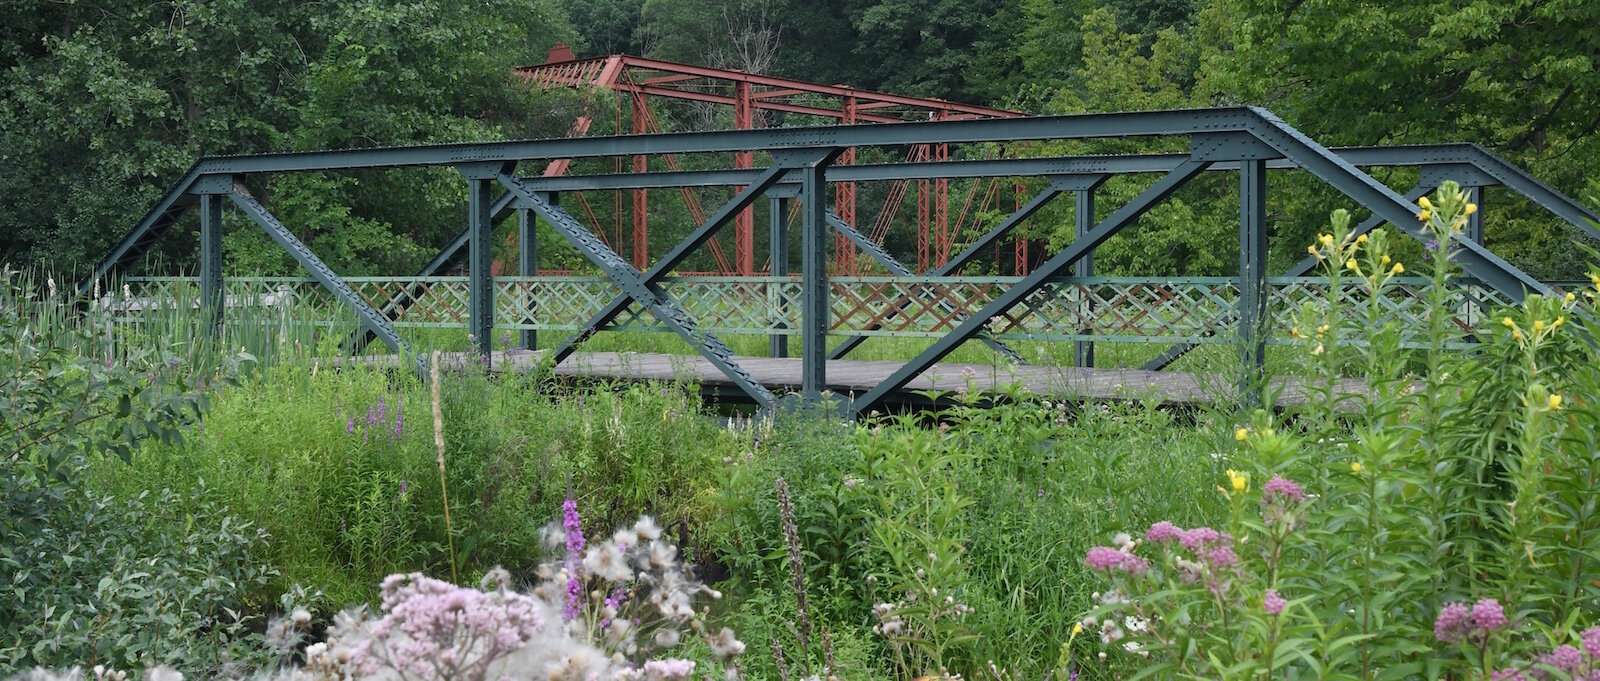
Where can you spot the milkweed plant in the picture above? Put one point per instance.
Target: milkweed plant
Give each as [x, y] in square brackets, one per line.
[1440, 522]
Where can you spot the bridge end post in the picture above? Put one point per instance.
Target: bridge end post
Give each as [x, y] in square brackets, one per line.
[814, 314]
[211, 282]
[1253, 319]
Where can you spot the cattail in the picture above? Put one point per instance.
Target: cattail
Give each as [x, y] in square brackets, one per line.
[797, 575]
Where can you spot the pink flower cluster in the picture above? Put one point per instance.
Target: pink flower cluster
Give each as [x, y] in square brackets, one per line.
[1107, 559]
[435, 629]
[1272, 603]
[1456, 622]
[1281, 489]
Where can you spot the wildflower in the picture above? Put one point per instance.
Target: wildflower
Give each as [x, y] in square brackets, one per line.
[1353, 267]
[1397, 270]
[1591, 642]
[1453, 623]
[1104, 559]
[1239, 481]
[1472, 208]
[1272, 603]
[1222, 557]
[1555, 401]
[1361, 239]
[350, 426]
[1077, 629]
[1425, 203]
[1355, 467]
[1571, 298]
[1198, 537]
[1314, 252]
[1425, 215]
[1241, 434]
[1538, 325]
[573, 524]
[1506, 322]
[1279, 487]
[1565, 658]
[668, 670]
[1488, 615]
[1163, 531]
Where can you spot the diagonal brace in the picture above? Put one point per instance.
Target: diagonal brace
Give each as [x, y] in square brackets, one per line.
[638, 288]
[745, 198]
[889, 263]
[374, 321]
[1123, 217]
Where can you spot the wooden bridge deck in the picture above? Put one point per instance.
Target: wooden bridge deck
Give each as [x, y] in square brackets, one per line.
[848, 377]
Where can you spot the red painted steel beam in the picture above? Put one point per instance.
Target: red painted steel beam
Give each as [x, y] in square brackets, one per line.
[744, 223]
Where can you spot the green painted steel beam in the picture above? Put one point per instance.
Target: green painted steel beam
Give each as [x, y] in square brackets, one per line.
[374, 321]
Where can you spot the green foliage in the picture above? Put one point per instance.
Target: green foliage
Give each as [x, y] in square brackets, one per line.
[341, 468]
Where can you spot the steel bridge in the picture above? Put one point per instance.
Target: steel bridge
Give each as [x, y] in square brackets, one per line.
[1060, 300]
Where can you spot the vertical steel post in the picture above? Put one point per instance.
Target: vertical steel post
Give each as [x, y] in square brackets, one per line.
[814, 319]
[1475, 220]
[528, 266]
[744, 231]
[1083, 351]
[1253, 320]
[779, 261]
[641, 199]
[480, 261]
[211, 285]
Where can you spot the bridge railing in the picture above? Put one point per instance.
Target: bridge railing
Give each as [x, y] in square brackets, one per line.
[1105, 309]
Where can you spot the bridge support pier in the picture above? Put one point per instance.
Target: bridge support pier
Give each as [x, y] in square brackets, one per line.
[480, 261]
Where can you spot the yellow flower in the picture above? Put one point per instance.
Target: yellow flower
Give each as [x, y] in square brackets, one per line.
[1351, 263]
[1555, 402]
[1325, 239]
[1239, 481]
[1424, 202]
[1313, 251]
[1558, 322]
[1318, 350]
[1472, 208]
[1384, 260]
[1355, 467]
[1425, 215]
[1538, 325]
[1507, 322]
[1516, 333]
[1241, 434]
[1571, 298]
[1397, 269]
[1361, 239]
[1077, 629]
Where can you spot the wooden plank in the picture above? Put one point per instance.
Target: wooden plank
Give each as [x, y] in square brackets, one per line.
[847, 377]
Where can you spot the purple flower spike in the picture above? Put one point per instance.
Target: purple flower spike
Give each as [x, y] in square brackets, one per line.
[350, 426]
[381, 406]
[402, 488]
[372, 417]
[573, 524]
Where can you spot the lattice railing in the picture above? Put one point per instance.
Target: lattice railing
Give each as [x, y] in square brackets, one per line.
[1129, 309]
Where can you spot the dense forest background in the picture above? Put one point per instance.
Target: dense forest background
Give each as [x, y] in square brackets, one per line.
[104, 103]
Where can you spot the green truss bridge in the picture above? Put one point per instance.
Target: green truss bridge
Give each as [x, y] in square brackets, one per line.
[826, 317]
